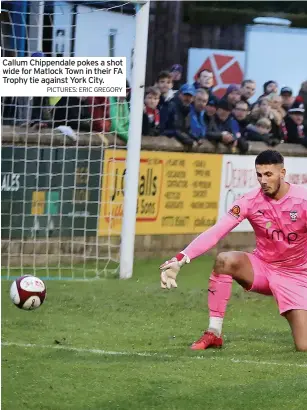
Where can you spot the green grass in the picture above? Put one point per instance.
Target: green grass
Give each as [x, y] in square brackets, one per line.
[136, 316]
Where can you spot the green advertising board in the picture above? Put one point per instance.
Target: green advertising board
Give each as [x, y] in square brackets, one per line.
[50, 191]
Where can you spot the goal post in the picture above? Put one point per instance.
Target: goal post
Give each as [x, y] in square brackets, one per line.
[57, 205]
[134, 142]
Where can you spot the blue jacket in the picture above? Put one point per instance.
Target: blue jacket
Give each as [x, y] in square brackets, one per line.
[197, 123]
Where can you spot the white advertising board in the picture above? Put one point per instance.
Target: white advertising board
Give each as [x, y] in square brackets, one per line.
[239, 177]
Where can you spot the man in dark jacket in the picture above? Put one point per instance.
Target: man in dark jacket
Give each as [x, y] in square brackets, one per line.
[224, 128]
[178, 121]
[303, 95]
[240, 113]
[293, 127]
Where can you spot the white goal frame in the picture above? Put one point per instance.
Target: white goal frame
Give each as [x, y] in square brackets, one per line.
[134, 141]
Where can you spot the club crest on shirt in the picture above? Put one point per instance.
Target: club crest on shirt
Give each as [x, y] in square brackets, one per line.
[293, 216]
[235, 211]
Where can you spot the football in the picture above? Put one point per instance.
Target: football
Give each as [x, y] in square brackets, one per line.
[28, 292]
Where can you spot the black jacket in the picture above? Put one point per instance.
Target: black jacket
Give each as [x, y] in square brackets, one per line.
[251, 134]
[216, 127]
[70, 111]
[164, 107]
[41, 112]
[291, 132]
[149, 128]
[178, 122]
[242, 125]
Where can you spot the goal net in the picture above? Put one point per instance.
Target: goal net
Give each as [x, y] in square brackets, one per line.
[61, 175]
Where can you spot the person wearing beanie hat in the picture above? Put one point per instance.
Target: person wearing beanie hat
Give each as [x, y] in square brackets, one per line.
[176, 74]
[211, 107]
[298, 106]
[223, 128]
[293, 128]
[303, 94]
[232, 95]
[269, 87]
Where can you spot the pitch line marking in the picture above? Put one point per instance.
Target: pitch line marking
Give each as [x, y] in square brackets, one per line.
[147, 354]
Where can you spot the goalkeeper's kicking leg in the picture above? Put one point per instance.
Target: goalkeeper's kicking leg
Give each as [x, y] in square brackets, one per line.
[228, 266]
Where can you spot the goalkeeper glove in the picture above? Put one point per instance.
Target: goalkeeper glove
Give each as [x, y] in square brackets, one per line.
[170, 270]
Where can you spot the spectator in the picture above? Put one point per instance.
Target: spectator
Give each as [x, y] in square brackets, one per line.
[205, 80]
[248, 89]
[232, 95]
[151, 115]
[261, 132]
[99, 109]
[164, 83]
[119, 114]
[270, 87]
[42, 111]
[293, 127]
[211, 107]
[197, 115]
[177, 125]
[222, 126]
[287, 98]
[176, 74]
[55, 111]
[303, 95]
[240, 113]
[275, 102]
[73, 112]
[263, 110]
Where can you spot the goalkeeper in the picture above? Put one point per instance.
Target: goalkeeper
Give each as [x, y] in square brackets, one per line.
[277, 212]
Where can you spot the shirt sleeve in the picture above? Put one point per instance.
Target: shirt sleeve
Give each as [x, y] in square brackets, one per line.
[208, 239]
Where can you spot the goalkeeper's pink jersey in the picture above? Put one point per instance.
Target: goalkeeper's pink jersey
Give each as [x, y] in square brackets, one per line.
[280, 227]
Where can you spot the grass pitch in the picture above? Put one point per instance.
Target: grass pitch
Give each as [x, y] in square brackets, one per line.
[111, 344]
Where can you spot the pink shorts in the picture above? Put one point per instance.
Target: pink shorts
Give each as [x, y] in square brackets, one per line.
[288, 288]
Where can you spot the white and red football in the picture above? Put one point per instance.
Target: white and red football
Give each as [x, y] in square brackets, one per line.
[28, 292]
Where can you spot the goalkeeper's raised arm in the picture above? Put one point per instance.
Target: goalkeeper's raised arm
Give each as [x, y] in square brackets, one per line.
[202, 244]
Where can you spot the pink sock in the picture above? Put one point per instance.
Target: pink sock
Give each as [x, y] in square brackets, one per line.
[218, 297]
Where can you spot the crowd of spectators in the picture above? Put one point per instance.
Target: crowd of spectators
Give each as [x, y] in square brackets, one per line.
[190, 113]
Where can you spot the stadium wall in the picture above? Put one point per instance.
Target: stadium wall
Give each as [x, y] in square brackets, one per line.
[180, 193]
